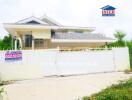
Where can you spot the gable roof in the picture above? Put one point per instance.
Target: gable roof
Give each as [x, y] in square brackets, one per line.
[108, 7]
[42, 20]
[31, 20]
[50, 21]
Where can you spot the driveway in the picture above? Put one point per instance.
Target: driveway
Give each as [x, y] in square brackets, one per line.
[62, 88]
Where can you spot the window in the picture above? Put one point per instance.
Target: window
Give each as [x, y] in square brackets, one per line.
[28, 40]
[52, 32]
[39, 43]
[78, 31]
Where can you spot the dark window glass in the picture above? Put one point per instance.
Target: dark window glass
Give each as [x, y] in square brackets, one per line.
[78, 31]
[33, 22]
[28, 40]
[52, 32]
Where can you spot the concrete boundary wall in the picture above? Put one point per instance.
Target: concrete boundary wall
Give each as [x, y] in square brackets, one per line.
[39, 63]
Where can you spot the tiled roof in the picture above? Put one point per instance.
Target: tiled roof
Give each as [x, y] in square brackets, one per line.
[82, 36]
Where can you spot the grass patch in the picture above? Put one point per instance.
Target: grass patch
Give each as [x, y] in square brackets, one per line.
[129, 71]
[2, 89]
[6, 82]
[130, 60]
[121, 91]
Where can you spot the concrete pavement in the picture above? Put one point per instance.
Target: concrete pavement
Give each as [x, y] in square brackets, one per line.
[62, 88]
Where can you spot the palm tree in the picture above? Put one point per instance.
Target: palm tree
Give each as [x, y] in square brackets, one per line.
[119, 35]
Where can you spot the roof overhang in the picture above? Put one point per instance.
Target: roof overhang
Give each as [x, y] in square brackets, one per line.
[15, 26]
[9, 26]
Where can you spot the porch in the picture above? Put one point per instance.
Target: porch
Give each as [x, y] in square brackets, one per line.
[30, 43]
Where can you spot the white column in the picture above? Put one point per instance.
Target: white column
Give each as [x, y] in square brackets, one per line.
[20, 42]
[32, 44]
[15, 44]
[15, 37]
[12, 46]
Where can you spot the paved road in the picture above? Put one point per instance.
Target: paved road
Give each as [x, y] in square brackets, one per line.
[62, 88]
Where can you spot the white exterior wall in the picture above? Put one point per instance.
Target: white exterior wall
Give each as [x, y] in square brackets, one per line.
[43, 34]
[39, 63]
[121, 58]
[18, 70]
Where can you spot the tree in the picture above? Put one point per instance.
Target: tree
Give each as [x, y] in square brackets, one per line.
[6, 43]
[119, 35]
[120, 42]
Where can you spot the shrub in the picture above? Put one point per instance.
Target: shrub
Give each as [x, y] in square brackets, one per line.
[6, 82]
[122, 91]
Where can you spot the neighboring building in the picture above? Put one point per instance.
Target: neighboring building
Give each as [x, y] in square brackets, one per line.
[44, 32]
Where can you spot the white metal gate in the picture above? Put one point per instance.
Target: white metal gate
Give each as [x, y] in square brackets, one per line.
[77, 62]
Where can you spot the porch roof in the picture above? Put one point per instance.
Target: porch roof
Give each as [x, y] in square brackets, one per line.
[80, 37]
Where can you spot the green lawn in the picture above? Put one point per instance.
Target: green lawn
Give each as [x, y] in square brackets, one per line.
[131, 60]
[122, 91]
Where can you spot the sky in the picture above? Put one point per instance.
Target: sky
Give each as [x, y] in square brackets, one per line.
[85, 13]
